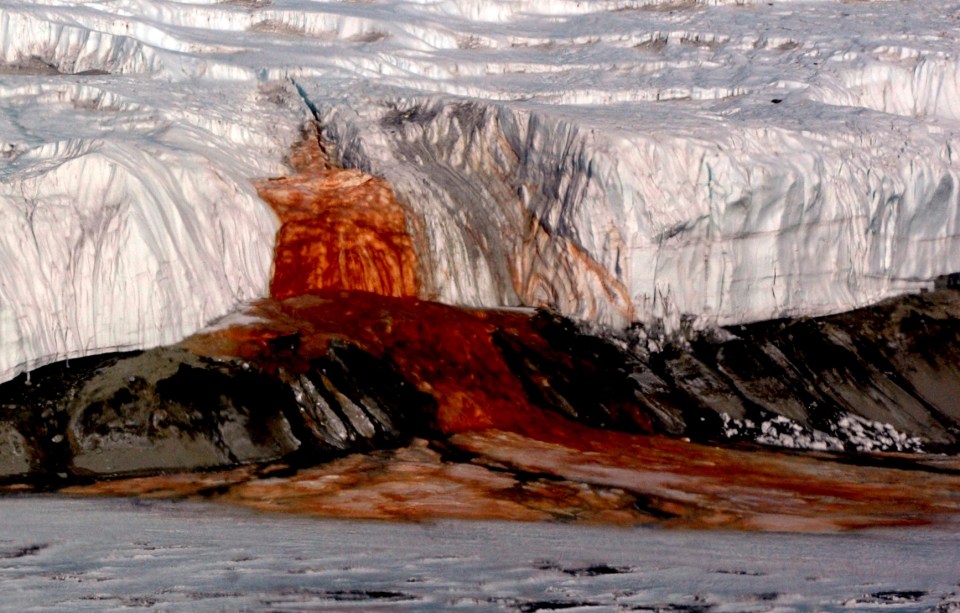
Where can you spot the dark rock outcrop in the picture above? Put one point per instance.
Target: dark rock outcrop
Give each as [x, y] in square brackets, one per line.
[885, 378]
[896, 363]
[169, 409]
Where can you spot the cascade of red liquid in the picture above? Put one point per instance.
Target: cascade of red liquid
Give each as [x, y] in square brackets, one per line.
[340, 229]
[447, 352]
[343, 241]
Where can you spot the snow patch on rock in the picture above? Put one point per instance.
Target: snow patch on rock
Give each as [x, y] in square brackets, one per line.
[846, 432]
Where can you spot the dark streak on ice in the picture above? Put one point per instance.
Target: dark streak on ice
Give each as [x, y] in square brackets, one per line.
[22, 552]
[551, 605]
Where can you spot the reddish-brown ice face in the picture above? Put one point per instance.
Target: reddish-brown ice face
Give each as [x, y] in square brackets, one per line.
[340, 229]
[344, 243]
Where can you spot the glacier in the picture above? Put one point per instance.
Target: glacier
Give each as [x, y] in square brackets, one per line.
[713, 162]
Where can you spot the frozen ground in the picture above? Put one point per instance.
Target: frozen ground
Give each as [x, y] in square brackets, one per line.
[617, 159]
[107, 555]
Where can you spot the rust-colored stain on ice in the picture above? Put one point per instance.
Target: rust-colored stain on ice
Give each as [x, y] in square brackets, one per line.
[340, 229]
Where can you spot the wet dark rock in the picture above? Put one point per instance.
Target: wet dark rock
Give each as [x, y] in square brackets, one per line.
[169, 409]
[763, 377]
[352, 401]
[34, 414]
[897, 363]
[591, 379]
[882, 378]
[951, 281]
[15, 452]
[849, 382]
[700, 382]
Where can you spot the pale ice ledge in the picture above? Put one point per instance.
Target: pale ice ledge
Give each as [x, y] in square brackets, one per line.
[619, 160]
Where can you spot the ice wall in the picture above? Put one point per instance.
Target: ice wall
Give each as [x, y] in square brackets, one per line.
[740, 221]
[127, 217]
[616, 159]
[716, 164]
[117, 246]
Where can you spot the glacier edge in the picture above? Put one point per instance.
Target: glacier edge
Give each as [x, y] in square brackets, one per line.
[753, 221]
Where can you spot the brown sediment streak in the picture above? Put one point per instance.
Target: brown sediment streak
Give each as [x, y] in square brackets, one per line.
[694, 485]
[555, 271]
[589, 477]
[340, 229]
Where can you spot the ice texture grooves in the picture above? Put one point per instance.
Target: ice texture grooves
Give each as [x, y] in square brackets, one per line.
[122, 226]
[620, 160]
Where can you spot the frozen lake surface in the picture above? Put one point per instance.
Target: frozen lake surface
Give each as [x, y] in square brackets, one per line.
[59, 554]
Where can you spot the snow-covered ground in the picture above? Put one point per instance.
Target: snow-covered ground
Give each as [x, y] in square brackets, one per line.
[107, 555]
[850, 432]
[618, 159]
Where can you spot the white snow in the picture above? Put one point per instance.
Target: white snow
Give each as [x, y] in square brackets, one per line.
[194, 557]
[618, 159]
[844, 432]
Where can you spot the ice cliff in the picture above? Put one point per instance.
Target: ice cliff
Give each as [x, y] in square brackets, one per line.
[620, 160]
